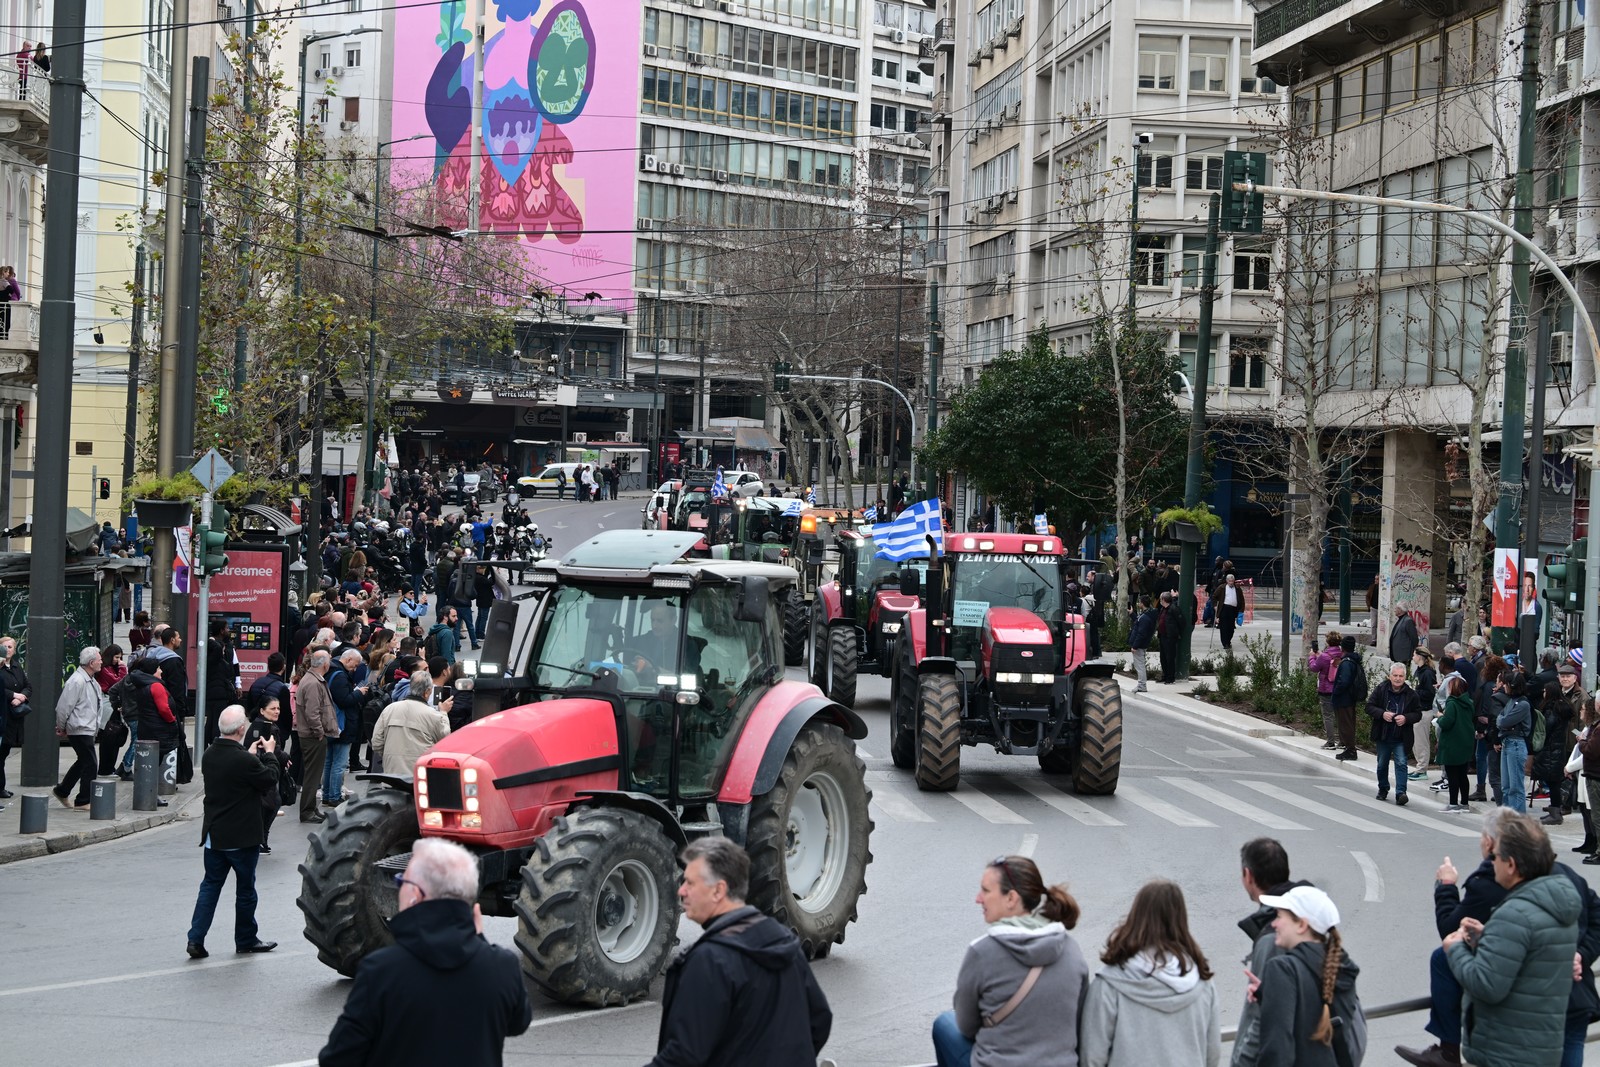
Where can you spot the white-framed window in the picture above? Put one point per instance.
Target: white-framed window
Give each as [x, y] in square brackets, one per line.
[1150, 257]
[885, 117]
[327, 58]
[1194, 247]
[1247, 363]
[886, 68]
[1158, 63]
[887, 13]
[1252, 269]
[1208, 65]
[1154, 162]
[352, 55]
[1258, 84]
[1202, 169]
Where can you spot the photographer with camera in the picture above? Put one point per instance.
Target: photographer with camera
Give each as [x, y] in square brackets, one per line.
[236, 778]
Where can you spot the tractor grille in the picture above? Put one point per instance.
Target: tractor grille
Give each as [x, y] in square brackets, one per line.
[1014, 659]
[444, 788]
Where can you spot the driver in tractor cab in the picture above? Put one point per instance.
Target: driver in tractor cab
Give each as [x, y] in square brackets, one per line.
[656, 650]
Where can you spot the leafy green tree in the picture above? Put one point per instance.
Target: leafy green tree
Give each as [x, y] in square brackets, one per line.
[1037, 432]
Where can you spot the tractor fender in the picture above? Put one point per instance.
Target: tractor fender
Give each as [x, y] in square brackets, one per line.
[829, 600]
[643, 803]
[402, 782]
[1095, 670]
[914, 627]
[937, 665]
[774, 724]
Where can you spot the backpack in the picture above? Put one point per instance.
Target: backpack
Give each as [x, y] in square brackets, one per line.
[1351, 679]
[1539, 732]
[430, 644]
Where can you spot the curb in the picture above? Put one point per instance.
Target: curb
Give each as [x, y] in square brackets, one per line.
[52, 842]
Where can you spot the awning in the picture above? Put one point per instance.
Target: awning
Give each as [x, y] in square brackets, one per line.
[754, 438]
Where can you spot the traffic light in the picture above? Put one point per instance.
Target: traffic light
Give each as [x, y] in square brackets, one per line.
[209, 557]
[1241, 211]
[780, 376]
[1563, 582]
[105, 488]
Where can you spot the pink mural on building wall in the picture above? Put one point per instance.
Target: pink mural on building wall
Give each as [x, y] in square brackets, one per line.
[558, 134]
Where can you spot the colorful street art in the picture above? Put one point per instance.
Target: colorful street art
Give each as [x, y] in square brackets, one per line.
[1411, 584]
[557, 137]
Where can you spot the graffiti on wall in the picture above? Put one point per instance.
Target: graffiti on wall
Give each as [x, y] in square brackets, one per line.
[1411, 583]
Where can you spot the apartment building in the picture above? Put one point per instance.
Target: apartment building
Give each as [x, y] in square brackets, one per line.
[1421, 102]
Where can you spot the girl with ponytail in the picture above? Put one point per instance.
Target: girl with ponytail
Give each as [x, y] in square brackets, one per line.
[1310, 1014]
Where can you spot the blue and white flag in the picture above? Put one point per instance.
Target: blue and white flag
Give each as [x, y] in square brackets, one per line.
[870, 514]
[906, 537]
[793, 506]
[1040, 524]
[719, 488]
[811, 495]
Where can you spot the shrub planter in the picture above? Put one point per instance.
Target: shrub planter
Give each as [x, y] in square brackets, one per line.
[163, 514]
[1187, 531]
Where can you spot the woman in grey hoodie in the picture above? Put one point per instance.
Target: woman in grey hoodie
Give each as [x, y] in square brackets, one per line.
[1153, 1002]
[1022, 983]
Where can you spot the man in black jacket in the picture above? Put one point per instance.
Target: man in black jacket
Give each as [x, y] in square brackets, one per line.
[440, 993]
[235, 781]
[1393, 708]
[1264, 871]
[742, 994]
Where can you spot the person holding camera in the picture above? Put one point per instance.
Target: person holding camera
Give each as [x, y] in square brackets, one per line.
[236, 778]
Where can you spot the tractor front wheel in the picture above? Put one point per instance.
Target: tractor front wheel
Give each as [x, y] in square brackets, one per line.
[808, 839]
[794, 628]
[903, 709]
[347, 898]
[938, 733]
[597, 915]
[844, 658]
[1099, 755]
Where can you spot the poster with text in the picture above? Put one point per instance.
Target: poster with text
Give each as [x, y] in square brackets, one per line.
[558, 140]
[1503, 605]
[250, 595]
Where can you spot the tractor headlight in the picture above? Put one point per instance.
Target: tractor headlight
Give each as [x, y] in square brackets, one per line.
[433, 819]
[1005, 677]
[1042, 679]
[891, 627]
[472, 821]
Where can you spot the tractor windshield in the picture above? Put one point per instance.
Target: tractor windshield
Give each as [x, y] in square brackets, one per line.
[633, 633]
[984, 580]
[877, 572]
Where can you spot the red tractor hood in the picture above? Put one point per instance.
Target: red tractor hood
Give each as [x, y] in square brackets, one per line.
[1014, 626]
[893, 600]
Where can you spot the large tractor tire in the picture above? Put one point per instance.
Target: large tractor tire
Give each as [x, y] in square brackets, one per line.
[1099, 755]
[844, 659]
[809, 839]
[598, 912]
[817, 645]
[347, 899]
[903, 711]
[938, 733]
[794, 628]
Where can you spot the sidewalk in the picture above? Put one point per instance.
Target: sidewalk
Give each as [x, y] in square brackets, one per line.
[69, 829]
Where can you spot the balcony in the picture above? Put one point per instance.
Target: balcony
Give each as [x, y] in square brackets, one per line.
[19, 343]
[1335, 31]
[935, 254]
[25, 112]
[944, 35]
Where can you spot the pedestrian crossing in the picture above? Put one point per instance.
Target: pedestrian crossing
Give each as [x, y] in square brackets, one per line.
[1163, 801]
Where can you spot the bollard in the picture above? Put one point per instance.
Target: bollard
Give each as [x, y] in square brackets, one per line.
[146, 774]
[35, 813]
[169, 773]
[103, 799]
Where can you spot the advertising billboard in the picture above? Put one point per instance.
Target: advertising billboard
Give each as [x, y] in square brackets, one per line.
[559, 135]
[252, 595]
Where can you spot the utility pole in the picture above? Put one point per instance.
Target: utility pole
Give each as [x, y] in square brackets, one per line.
[164, 550]
[899, 339]
[1507, 516]
[241, 333]
[130, 424]
[311, 512]
[1529, 637]
[1195, 474]
[935, 350]
[58, 312]
[189, 294]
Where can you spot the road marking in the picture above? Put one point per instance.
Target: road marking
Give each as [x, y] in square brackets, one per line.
[1411, 816]
[584, 1015]
[864, 754]
[1170, 812]
[898, 807]
[1222, 800]
[1294, 800]
[1071, 807]
[1029, 843]
[189, 968]
[1373, 876]
[986, 806]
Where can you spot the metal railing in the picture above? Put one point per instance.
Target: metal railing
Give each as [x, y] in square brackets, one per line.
[19, 325]
[34, 88]
[1281, 18]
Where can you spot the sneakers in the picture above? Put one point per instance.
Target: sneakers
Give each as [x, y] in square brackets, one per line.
[315, 816]
[1347, 754]
[1440, 786]
[1417, 776]
[1330, 745]
[1451, 809]
[1552, 819]
[1140, 689]
[1592, 859]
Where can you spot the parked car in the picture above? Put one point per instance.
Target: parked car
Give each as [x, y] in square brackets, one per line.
[468, 490]
[529, 485]
[744, 483]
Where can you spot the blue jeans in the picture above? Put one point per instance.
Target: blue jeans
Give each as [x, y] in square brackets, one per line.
[138, 597]
[464, 610]
[1513, 782]
[1572, 1042]
[333, 770]
[1392, 752]
[1483, 754]
[219, 861]
[951, 1047]
[133, 743]
[483, 621]
[416, 583]
[1444, 1017]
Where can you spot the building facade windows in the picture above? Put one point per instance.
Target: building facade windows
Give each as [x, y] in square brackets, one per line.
[1208, 65]
[995, 177]
[1158, 63]
[727, 102]
[994, 18]
[1252, 269]
[752, 50]
[1150, 260]
[764, 164]
[988, 339]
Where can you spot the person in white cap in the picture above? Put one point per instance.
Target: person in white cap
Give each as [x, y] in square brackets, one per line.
[1304, 991]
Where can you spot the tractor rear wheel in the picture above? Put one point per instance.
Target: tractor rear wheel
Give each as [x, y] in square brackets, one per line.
[1099, 755]
[347, 899]
[817, 645]
[903, 710]
[844, 657]
[808, 839]
[794, 628]
[598, 912]
[938, 733]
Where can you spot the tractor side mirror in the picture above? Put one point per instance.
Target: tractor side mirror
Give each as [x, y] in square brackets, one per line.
[911, 582]
[753, 595]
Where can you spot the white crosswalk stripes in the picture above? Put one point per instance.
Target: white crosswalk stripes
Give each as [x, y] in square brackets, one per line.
[1271, 820]
[1467, 829]
[1170, 812]
[1069, 806]
[887, 802]
[985, 806]
[1294, 800]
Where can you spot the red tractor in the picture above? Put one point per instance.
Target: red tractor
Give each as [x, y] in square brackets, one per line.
[634, 701]
[1003, 663]
[856, 618]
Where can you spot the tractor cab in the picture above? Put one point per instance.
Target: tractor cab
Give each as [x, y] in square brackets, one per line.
[813, 552]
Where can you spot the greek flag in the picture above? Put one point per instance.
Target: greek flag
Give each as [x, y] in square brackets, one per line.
[793, 506]
[719, 488]
[870, 514]
[811, 495]
[905, 537]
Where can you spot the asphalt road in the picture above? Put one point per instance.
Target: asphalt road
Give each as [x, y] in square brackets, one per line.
[91, 941]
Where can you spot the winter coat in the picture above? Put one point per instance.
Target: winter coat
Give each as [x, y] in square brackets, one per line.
[1291, 1004]
[1143, 1012]
[1343, 693]
[1517, 980]
[152, 708]
[1257, 926]
[404, 731]
[742, 994]
[1516, 719]
[1548, 761]
[347, 700]
[1403, 702]
[1325, 665]
[1475, 897]
[265, 688]
[235, 780]
[1144, 630]
[448, 639]
[1038, 1032]
[222, 677]
[1403, 640]
[1426, 682]
[11, 727]
[314, 714]
[1456, 740]
[175, 677]
[78, 709]
[1584, 1003]
[1589, 746]
[439, 969]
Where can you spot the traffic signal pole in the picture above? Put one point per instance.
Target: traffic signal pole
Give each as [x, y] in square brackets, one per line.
[200, 639]
[1591, 577]
[1188, 559]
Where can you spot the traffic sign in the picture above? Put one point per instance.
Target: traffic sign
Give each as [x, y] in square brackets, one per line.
[211, 470]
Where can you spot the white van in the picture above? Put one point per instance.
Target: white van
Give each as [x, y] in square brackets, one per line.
[546, 479]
